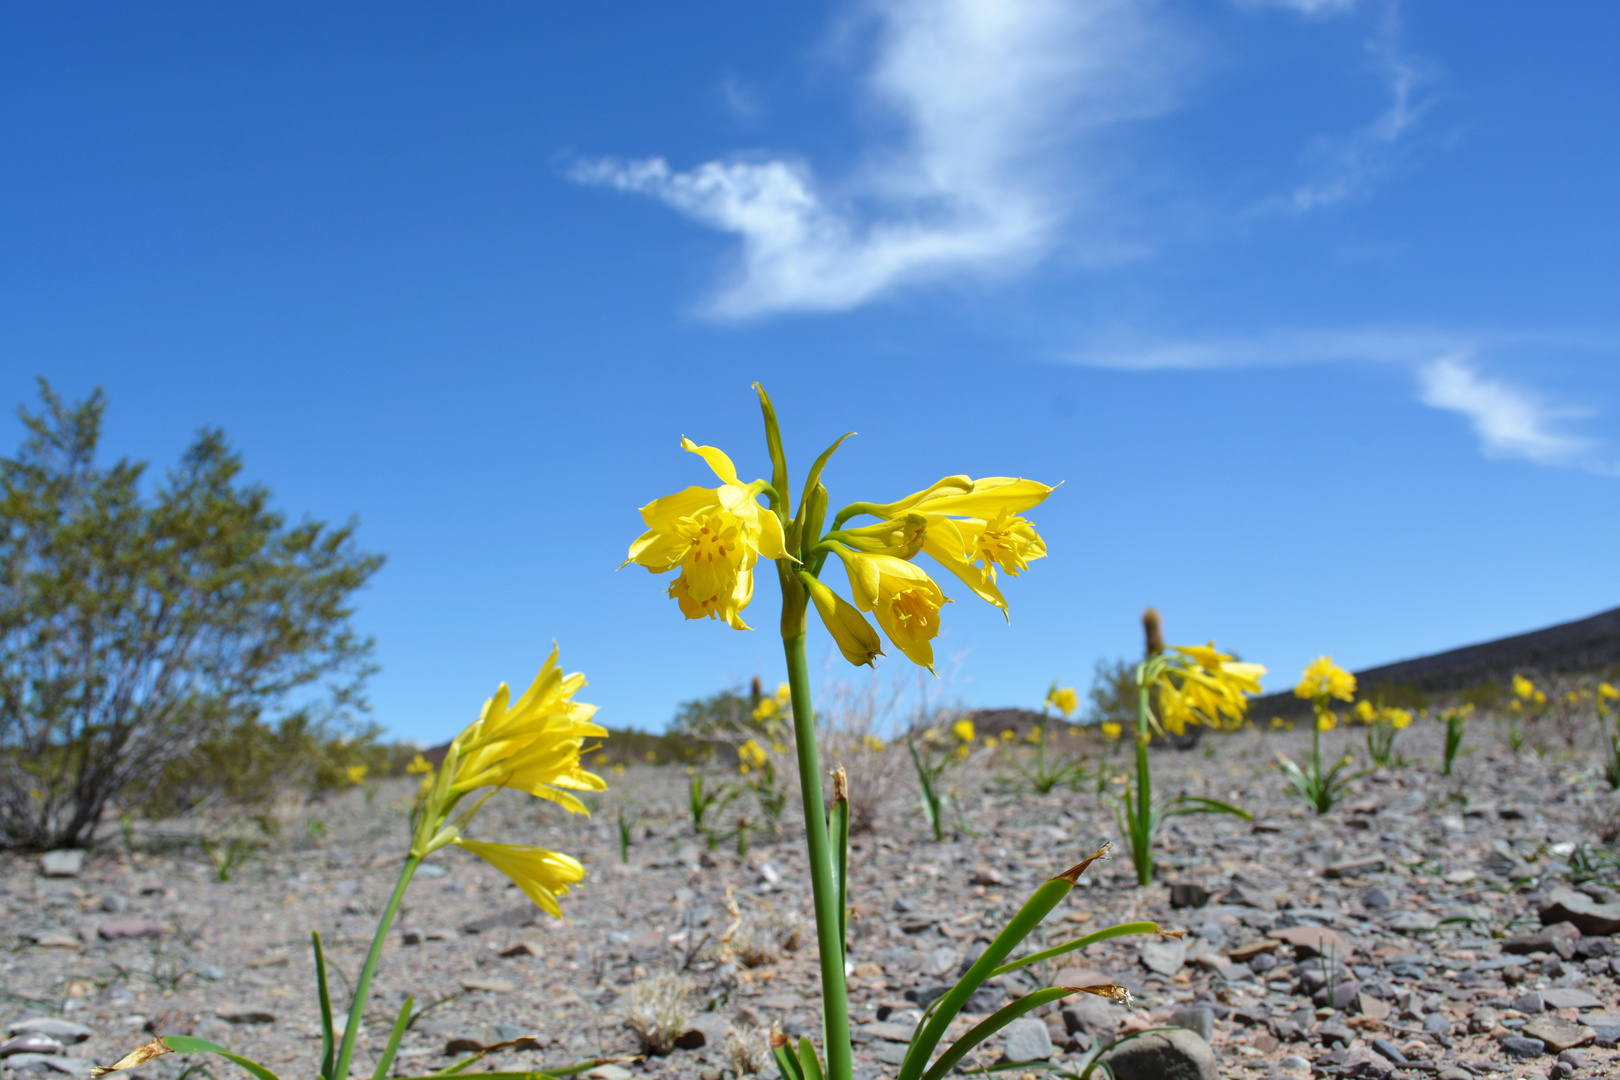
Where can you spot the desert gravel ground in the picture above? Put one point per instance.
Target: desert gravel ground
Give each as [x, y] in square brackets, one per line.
[1431, 891]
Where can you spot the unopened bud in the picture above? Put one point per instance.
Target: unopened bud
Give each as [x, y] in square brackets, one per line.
[1152, 631]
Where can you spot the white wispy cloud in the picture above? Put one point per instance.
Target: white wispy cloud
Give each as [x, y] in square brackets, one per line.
[1509, 419]
[986, 95]
[1346, 166]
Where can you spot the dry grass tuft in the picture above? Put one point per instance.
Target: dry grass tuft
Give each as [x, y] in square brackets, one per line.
[748, 1049]
[659, 1011]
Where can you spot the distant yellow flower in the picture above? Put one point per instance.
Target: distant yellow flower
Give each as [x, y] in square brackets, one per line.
[1541, 697]
[963, 730]
[1063, 699]
[419, 764]
[1034, 736]
[1607, 692]
[1008, 735]
[616, 769]
[1523, 687]
[1111, 730]
[714, 536]
[1324, 678]
[1326, 720]
[963, 750]
[991, 742]
[1365, 712]
[750, 755]
[853, 635]
[1572, 697]
[542, 875]
[1399, 719]
[872, 743]
[1278, 722]
[355, 773]
[904, 599]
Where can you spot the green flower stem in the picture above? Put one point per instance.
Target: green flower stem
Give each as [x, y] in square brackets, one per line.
[829, 921]
[1144, 794]
[362, 988]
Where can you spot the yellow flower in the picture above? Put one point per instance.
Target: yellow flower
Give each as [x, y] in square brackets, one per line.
[532, 744]
[1278, 722]
[1523, 687]
[714, 536]
[851, 632]
[963, 750]
[1541, 697]
[1399, 719]
[1111, 730]
[1198, 684]
[901, 537]
[1007, 735]
[1607, 692]
[1034, 736]
[973, 528]
[751, 755]
[991, 742]
[419, 764]
[1365, 712]
[905, 600]
[963, 730]
[1324, 678]
[355, 773]
[616, 769]
[1326, 720]
[872, 743]
[1063, 699]
[542, 875]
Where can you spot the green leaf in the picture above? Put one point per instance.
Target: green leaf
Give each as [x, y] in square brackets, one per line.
[1105, 934]
[186, 1044]
[787, 1062]
[990, 1025]
[328, 1042]
[1035, 909]
[1198, 805]
[808, 1061]
[403, 1021]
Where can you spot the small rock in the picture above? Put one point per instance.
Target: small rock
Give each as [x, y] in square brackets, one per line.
[118, 929]
[1521, 1046]
[1389, 1051]
[53, 939]
[889, 1032]
[1558, 1034]
[1343, 994]
[211, 972]
[1185, 894]
[1591, 917]
[30, 1042]
[51, 1063]
[1309, 941]
[492, 986]
[1560, 938]
[1437, 1023]
[1454, 1074]
[987, 875]
[243, 1014]
[65, 1031]
[1027, 1040]
[511, 917]
[522, 948]
[1250, 949]
[610, 1072]
[1249, 896]
[940, 961]
[1091, 1015]
[1196, 1018]
[1177, 1054]
[115, 903]
[1262, 963]
[68, 862]
[1376, 899]
[1530, 1003]
[1354, 867]
[1412, 922]
[1569, 997]
[1164, 957]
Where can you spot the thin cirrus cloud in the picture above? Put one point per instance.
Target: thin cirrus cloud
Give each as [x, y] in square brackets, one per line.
[985, 96]
[1509, 420]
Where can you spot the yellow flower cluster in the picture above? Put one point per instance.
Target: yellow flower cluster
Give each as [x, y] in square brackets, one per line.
[1063, 699]
[775, 705]
[1198, 684]
[714, 537]
[750, 756]
[531, 745]
[1368, 713]
[1324, 679]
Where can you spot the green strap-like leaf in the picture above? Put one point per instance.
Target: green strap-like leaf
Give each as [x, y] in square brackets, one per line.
[187, 1044]
[402, 1022]
[990, 1025]
[809, 1063]
[328, 1041]
[1106, 933]
[787, 1062]
[1195, 804]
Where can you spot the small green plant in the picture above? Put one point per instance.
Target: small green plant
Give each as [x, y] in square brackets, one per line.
[1052, 772]
[1609, 732]
[702, 803]
[226, 856]
[1383, 725]
[1526, 706]
[1193, 685]
[624, 836]
[931, 762]
[1456, 721]
[758, 768]
[1322, 683]
[126, 826]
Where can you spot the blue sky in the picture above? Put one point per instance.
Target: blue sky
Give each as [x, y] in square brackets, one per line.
[1311, 305]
